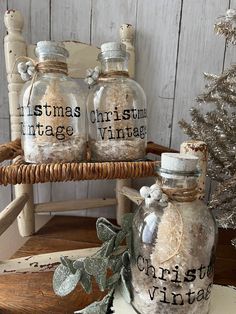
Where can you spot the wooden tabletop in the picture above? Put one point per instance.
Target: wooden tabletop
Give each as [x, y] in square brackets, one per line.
[32, 293]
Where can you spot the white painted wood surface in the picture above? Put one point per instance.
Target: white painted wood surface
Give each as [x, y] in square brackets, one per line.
[175, 44]
[5, 192]
[10, 213]
[200, 50]
[14, 47]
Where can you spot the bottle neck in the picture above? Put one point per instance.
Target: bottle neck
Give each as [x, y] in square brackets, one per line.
[114, 65]
[180, 188]
[52, 65]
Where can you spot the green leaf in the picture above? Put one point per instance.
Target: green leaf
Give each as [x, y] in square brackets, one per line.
[102, 251]
[114, 279]
[97, 267]
[94, 266]
[86, 282]
[68, 263]
[93, 308]
[101, 280]
[127, 221]
[126, 259]
[64, 281]
[79, 264]
[126, 287]
[119, 238]
[106, 249]
[115, 263]
[129, 242]
[110, 246]
[105, 229]
[98, 307]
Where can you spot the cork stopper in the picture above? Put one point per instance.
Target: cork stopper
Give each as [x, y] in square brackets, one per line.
[126, 33]
[178, 163]
[47, 47]
[113, 50]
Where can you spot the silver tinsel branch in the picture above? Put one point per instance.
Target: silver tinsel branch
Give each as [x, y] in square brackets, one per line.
[226, 26]
[218, 129]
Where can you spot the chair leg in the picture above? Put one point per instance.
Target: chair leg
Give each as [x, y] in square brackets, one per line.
[26, 219]
[123, 203]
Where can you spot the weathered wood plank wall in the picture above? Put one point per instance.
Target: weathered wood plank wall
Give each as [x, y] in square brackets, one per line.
[175, 44]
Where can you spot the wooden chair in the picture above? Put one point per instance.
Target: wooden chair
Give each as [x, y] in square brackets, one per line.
[15, 46]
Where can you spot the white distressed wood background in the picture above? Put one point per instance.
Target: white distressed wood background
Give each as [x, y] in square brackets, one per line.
[174, 43]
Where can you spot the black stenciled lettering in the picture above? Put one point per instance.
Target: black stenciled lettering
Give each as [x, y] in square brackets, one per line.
[69, 112]
[163, 271]
[39, 126]
[59, 133]
[69, 130]
[202, 273]
[107, 119]
[152, 293]
[210, 268]
[21, 111]
[145, 113]
[135, 132]
[208, 291]
[22, 128]
[142, 113]
[190, 275]
[122, 133]
[102, 132]
[179, 296]
[99, 116]
[28, 111]
[116, 115]
[126, 114]
[141, 260]
[143, 131]
[176, 271]
[58, 111]
[110, 134]
[38, 110]
[47, 112]
[164, 300]
[150, 268]
[77, 112]
[49, 130]
[190, 301]
[129, 132]
[134, 113]
[31, 130]
[200, 295]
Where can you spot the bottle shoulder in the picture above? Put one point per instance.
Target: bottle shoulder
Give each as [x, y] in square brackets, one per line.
[64, 84]
[118, 86]
[196, 211]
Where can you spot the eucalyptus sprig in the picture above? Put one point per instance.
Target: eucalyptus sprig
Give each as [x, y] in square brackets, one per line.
[111, 256]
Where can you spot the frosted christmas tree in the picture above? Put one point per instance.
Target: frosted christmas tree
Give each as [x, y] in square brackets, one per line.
[218, 129]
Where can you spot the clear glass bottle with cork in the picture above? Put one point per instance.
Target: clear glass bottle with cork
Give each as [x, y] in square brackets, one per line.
[52, 107]
[117, 112]
[174, 242]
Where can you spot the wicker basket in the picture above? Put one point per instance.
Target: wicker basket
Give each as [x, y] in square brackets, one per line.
[21, 172]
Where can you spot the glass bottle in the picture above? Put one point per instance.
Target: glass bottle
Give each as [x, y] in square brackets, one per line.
[173, 246]
[117, 113]
[52, 107]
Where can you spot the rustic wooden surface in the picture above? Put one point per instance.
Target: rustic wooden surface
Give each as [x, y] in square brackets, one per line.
[32, 293]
